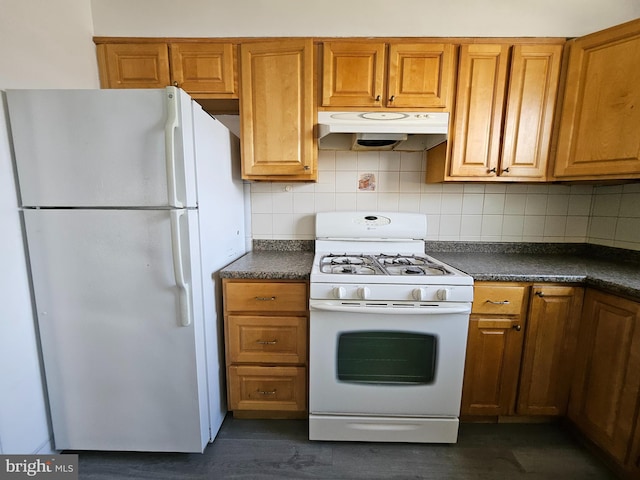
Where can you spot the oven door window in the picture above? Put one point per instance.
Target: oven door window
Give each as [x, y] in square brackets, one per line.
[386, 357]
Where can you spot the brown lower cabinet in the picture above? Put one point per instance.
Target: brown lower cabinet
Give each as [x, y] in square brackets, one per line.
[266, 329]
[605, 394]
[520, 349]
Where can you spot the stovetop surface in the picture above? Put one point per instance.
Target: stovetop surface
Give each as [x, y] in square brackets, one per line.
[381, 264]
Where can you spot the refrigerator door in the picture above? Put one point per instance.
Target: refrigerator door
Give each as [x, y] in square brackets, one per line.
[124, 369]
[103, 148]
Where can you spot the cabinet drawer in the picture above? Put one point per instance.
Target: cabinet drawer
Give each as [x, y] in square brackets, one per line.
[267, 388]
[265, 297]
[266, 339]
[497, 299]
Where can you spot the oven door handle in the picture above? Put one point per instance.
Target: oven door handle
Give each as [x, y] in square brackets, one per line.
[392, 310]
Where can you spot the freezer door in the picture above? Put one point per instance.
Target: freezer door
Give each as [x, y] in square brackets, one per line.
[124, 370]
[103, 148]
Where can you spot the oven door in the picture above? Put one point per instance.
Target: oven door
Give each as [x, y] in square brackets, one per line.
[387, 359]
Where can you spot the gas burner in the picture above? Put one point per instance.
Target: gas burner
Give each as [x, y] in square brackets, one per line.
[346, 260]
[413, 271]
[401, 260]
[353, 270]
[412, 265]
[348, 264]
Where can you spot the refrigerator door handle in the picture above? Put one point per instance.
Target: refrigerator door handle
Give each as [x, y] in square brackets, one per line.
[170, 127]
[178, 269]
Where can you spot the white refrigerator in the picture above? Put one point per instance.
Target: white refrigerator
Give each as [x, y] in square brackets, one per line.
[132, 202]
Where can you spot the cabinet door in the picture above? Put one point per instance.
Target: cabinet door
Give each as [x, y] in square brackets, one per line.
[261, 388]
[533, 86]
[277, 111]
[600, 116]
[353, 74]
[205, 70]
[262, 339]
[492, 364]
[549, 350]
[476, 133]
[420, 75]
[132, 65]
[606, 388]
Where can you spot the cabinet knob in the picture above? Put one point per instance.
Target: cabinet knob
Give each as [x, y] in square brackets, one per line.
[175, 83]
[392, 98]
[505, 170]
[492, 170]
[540, 294]
[517, 328]
[377, 98]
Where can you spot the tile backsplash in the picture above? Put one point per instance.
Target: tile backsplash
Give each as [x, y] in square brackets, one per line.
[496, 212]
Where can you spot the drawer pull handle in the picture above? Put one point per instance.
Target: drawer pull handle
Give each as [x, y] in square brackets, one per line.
[264, 392]
[503, 302]
[265, 299]
[266, 342]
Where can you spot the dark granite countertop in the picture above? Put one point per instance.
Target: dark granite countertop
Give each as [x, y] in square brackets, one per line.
[612, 276]
[613, 270]
[271, 265]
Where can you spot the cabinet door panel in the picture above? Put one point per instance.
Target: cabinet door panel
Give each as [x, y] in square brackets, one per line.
[479, 110]
[353, 74]
[128, 65]
[266, 339]
[606, 389]
[491, 366]
[600, 119]
[277, 110]
[202, 68]
[420, 75]
[533, 85]
[267, 388]
[549, 350]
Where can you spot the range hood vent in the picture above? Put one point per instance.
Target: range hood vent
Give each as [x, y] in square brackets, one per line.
[401, 131]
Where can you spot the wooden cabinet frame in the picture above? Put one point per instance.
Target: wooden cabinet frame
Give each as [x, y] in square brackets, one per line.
[266, 347]
[379, 74]
[503, 119]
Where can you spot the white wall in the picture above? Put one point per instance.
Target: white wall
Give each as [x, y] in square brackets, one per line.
[43, 44]
[262, 18]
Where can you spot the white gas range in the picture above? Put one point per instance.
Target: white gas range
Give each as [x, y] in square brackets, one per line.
[388, 330]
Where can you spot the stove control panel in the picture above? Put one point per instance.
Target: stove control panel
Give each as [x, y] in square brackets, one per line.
[411, 293]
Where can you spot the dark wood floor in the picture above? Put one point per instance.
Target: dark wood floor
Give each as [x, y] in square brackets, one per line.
[279, 449]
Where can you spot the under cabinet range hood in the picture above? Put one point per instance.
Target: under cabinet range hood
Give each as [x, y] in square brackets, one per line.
[402, 131]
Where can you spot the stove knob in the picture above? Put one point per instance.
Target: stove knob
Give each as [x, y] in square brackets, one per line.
[339, 292]
[443, 294]
[419, 294]
[364, 292]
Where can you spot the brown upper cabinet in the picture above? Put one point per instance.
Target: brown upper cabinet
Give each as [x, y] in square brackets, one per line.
[133, 65]
[392, 75]
[503, 119]
[204, 70]
[599, 127]
[277, 110]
